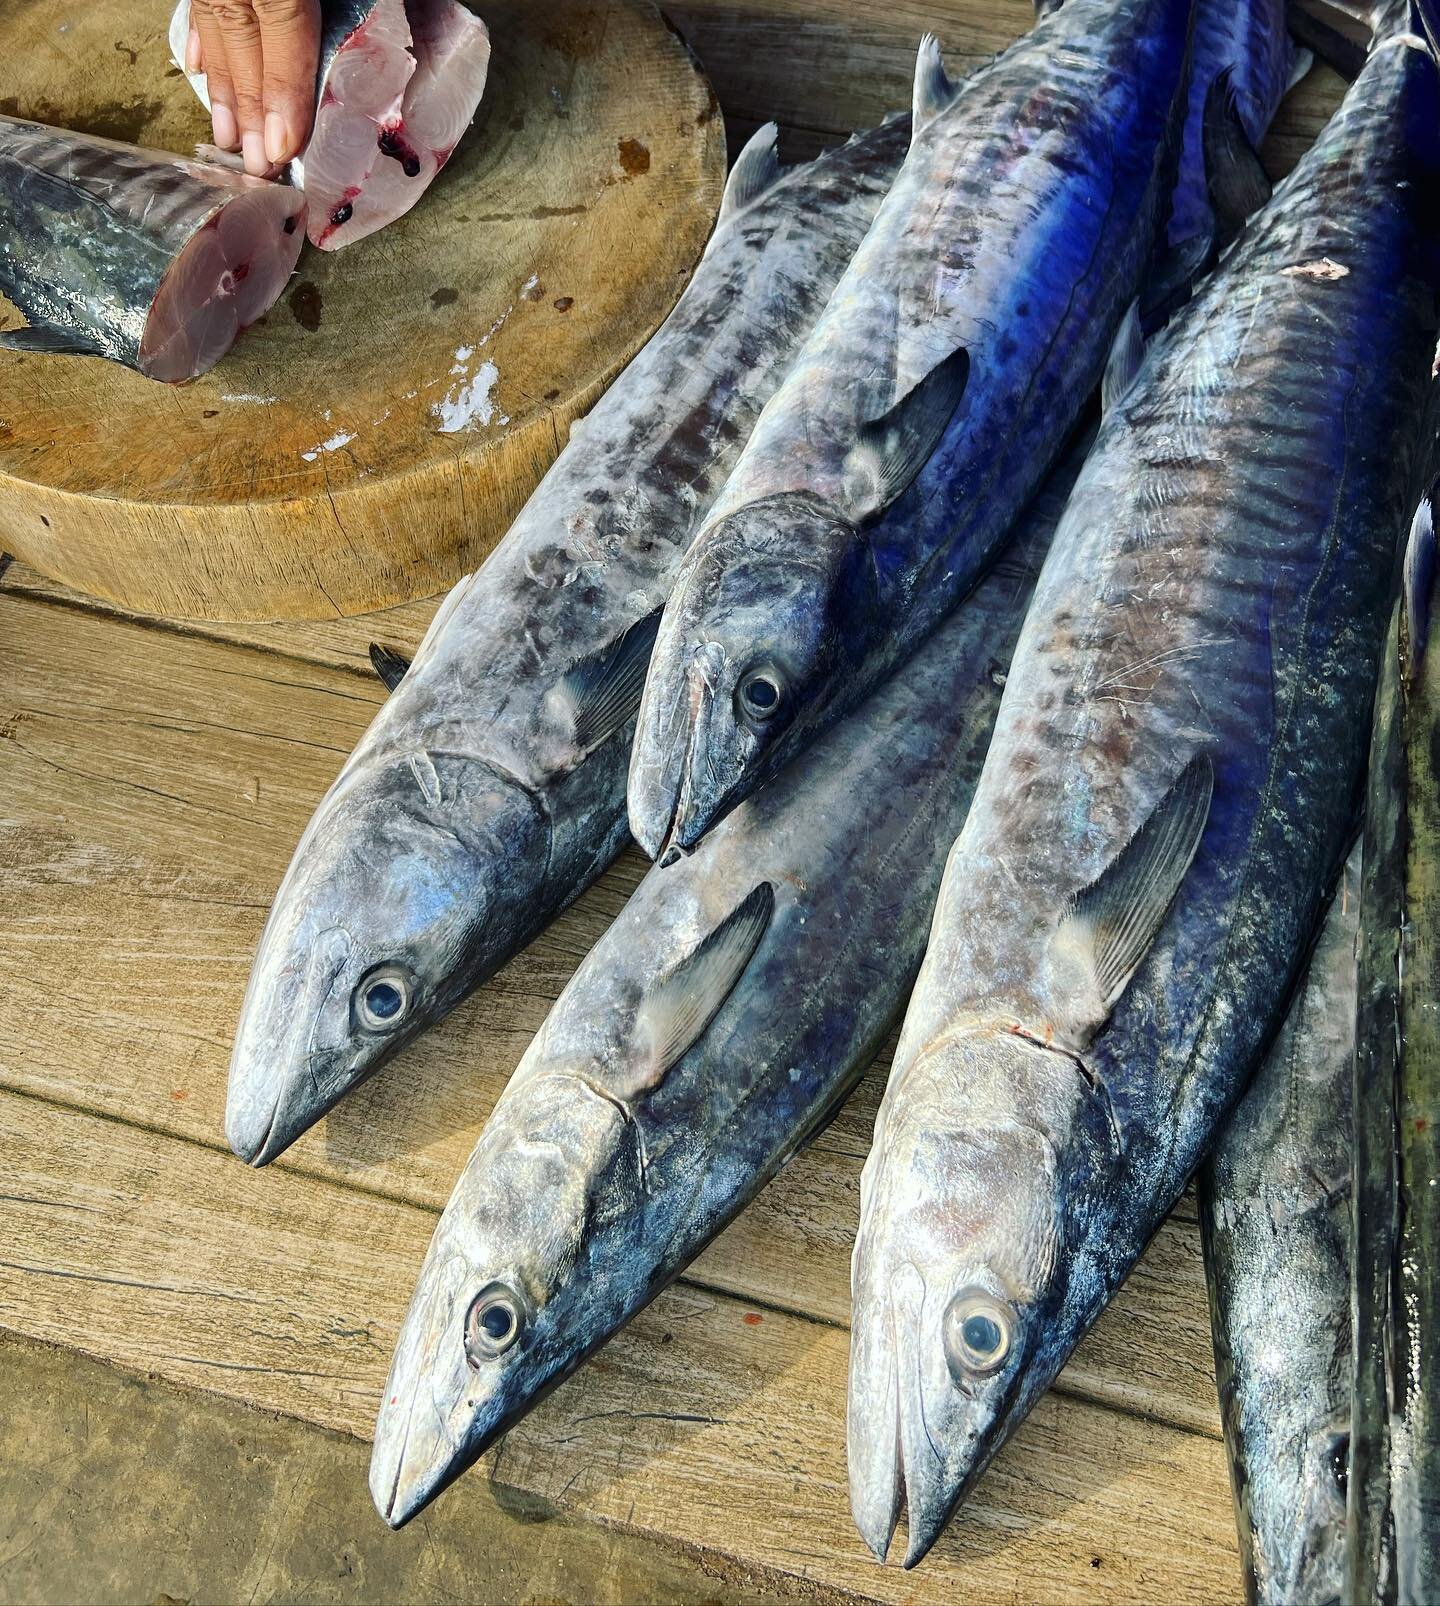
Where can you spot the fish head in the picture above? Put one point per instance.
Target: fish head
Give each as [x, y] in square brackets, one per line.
[509, 1301]
[751, 649]
[397, 902]
[955, 1277]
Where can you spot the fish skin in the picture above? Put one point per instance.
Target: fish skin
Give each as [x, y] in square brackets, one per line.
[595, 1182]
[1395, 1466]
[993, 241]
[1276, 1222]
[89, 229]
[1216, 595]
[468, 816]
[419, 52]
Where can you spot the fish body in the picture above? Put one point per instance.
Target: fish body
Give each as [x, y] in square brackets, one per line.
[1276, 1220]
[1395, 1470]
[399, 83]
[490, 789]
[716, 1025]
[926, 406]
[146, 258]
[1168, 795]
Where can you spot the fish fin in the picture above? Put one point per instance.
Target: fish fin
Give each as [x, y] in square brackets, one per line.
[891, 450]
[1172, 279]
[604, 689]
[1419, 584]
[1114, 920]
[449, 603]
[756, 168]
[935, 90]
[1127, 352]
[36, 339]
[390, 666]
[676, 1010]
[1301, 61]
[1308, 28]
[1044, 8]
[1237, 183]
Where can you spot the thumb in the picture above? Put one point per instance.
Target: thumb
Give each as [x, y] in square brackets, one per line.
[290, 52]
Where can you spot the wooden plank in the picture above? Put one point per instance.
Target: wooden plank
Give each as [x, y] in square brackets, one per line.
[287, 1291]
[373, 437]
[153, 787]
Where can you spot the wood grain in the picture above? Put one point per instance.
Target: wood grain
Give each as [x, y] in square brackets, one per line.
[721, 1432]
[148, 817]
[372, 439]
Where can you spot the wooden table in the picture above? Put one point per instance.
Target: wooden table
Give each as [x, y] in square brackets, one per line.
[153, 781]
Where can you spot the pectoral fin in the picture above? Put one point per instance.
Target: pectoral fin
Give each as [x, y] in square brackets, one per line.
[604, 689]
[1126, 355]
[934, 91]
[1238, 184]
[891, 450]
[678, 1008]
[390, 666]
[1111, 924]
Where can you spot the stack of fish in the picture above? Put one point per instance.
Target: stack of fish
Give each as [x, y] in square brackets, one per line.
[777, 574]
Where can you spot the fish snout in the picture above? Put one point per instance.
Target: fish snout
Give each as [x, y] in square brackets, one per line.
[670, 748]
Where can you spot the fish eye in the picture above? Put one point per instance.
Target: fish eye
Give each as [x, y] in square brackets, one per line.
[759, 694]
[383, 999]
[492, 1324]
[977, 1331]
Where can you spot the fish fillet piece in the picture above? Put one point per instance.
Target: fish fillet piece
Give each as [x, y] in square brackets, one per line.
[399, 84]
[146, 258]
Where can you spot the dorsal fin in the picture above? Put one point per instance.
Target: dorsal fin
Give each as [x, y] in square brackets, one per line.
[50, 342]
[1419, 584]
[676, 1010]
[603, 690]
[935, 90]
[756, 168]
[390, 666]
[890, 450]
[1127, 352]
[1237, 182]
[1111, 924]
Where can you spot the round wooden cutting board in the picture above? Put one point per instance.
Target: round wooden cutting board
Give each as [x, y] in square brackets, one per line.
[371, 439]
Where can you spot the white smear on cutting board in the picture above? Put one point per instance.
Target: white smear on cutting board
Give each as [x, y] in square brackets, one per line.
[332, 445]
[469, 401]
[244, 396]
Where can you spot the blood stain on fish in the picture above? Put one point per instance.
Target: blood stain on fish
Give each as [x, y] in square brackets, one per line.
[306, 304]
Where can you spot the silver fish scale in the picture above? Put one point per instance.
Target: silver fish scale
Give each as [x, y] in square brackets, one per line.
[88, 229]
[596, 547]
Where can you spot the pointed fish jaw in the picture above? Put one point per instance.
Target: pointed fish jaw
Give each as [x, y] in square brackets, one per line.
[957, 1275]
[663, 797]
[533, 1215]
[419, 873]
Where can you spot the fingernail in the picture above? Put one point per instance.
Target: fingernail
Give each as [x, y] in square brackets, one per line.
[277, 138]
[253, 144]
[192, 52]
[227, 133]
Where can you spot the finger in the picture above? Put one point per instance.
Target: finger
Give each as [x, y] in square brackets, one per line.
[194, 56]
[240, 34]
[217, 75]
[290, 46]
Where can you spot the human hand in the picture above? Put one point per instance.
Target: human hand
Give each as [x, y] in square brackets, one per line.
[259, 58]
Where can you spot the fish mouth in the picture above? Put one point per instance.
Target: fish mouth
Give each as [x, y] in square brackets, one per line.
[405, 1476]
[897, 1455]
[668, 814]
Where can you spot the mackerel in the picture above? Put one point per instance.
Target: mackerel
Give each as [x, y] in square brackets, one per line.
[399, 83]
[1276, 1221]
[1168, 795]
[149, 259]
[926, 406]
[490, 789]
[717, 1024]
